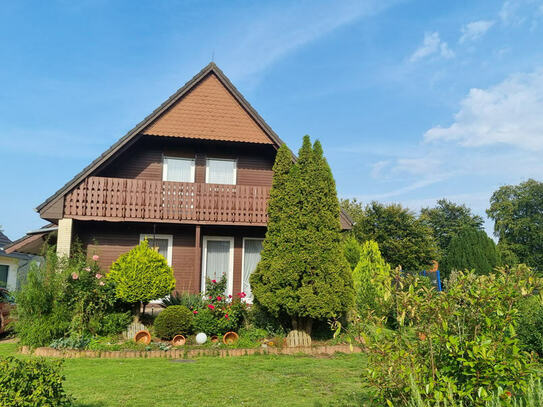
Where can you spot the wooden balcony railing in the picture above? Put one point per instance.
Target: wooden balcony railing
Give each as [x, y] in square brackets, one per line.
[103, 198]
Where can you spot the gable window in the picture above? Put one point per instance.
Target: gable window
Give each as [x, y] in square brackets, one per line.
[161, 244]
[250, 259]
[220, 171]
[178, 169]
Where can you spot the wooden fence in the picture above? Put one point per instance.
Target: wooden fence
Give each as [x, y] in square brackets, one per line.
[133, 199]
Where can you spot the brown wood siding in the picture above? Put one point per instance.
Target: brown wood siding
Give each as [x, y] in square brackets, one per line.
[144, 159]
[111, 239]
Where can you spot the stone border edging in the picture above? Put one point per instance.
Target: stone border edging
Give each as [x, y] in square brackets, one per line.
[190, 353]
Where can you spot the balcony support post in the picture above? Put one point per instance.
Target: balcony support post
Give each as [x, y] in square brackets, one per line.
[197, 257]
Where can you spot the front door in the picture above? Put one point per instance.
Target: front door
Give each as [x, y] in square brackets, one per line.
[218, 260]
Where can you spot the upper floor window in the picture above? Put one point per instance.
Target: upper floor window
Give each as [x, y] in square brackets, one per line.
[178, 169]
[220, 171]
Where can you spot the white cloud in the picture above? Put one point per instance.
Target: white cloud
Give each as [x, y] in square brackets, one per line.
[517, 12]
[510, 113]
[431, 45]
[475, 30]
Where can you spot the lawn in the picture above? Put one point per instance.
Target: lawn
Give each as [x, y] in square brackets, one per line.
[209, 381]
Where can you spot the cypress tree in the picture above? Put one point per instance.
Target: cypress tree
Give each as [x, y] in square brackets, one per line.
[303, 273]
[470, 249]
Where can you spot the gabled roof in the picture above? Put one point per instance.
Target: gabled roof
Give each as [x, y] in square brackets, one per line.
[146, 125]
[4, 240]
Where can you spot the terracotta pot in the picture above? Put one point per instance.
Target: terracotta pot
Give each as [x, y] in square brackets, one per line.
[143, 337]
[230, 338]
[178, 340]
[214, 339]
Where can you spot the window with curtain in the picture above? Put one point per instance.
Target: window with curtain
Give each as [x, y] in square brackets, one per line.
[161, 244]
[221, 171]
[4, 275]
[251, 257]
[217, 259]
[178, 169]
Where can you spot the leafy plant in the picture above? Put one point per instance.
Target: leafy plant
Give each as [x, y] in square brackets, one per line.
[463, 340]
[71, 342]
[174, 320]
[189, 300]
[530, 326]
[371, 280]
[351, 250]
[33, 382]
[114, 323]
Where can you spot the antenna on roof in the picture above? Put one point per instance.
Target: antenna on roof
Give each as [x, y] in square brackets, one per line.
[213, 56]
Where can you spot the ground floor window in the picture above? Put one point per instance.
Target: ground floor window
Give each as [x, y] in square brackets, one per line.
[218, 260]
[251, 256]
[161, 243]
[4, 269]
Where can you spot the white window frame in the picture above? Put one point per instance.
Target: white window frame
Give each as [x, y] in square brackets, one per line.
[165, 167]
[148, 236]
[247, 300]
[230, 276]
[13, 266]
[223, 159]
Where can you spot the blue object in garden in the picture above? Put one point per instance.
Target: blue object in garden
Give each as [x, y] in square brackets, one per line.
[435, 278]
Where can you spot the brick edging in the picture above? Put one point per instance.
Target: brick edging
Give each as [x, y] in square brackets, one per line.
[181, 353]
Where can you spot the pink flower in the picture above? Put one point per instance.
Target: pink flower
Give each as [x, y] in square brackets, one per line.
[101, 283]
[75, 276]
[210, 297]
[242, 295]
[95, 257]
[214, 281]
[211, 306]
[226, 316]
[219, 298]
[99, 276]
[194, 312]
[87, 269]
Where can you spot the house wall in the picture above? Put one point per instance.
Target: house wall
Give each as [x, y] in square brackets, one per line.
[143, 160]
[111, 239]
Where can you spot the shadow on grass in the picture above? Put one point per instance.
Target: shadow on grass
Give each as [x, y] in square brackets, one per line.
[97, 404]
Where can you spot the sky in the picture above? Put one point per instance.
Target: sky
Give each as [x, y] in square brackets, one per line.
[413, 101]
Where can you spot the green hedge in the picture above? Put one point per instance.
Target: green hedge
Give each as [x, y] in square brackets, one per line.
[33, 382]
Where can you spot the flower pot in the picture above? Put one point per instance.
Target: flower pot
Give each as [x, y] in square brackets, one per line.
[230, 338]
[214, 339]
[143, 337]
[178, 340]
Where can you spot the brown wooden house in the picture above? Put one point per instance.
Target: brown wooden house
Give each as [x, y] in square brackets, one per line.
[193, 178]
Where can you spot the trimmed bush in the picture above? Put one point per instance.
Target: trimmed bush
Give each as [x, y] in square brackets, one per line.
[142, 275]
[174, 320]
[530, 329]
[33, 382]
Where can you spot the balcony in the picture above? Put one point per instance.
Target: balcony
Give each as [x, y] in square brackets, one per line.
[119, 199]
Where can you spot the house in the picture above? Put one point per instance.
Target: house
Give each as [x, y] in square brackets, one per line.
[193, 178]
[12, 265]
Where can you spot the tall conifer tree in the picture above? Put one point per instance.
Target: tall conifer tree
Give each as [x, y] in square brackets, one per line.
[303, 273]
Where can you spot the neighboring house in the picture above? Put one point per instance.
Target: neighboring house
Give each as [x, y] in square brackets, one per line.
[12, 265]
[193, 178]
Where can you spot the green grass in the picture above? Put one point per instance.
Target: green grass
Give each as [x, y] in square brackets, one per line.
[238, 381]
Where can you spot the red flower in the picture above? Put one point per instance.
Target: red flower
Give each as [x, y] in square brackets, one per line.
[219, 298]
[508, 394]
[214, 281]
[210, 297]
[194, 312]
[229, 295]
[211, 306]
[242, 295]
[226, 316]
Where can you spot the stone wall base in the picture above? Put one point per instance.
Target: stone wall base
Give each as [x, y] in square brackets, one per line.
[181, 353]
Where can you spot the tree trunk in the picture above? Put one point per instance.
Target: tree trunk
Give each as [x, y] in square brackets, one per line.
[301, 332]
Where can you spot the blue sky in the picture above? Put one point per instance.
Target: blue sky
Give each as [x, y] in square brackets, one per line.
[413, 100]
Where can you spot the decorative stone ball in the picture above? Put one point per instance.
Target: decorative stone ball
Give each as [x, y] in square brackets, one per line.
[201, 338]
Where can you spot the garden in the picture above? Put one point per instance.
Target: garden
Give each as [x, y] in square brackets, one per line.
[478, 341]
